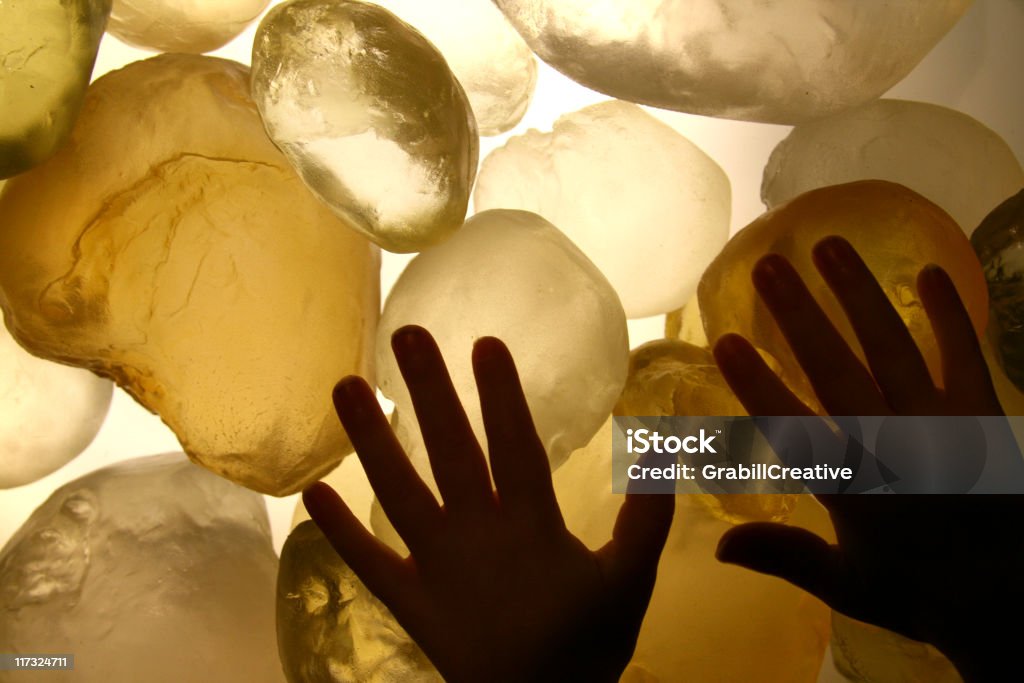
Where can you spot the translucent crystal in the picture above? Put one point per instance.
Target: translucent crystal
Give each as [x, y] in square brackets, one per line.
[492, 62]
[182, 25]
[152, 569]
[895, 230]
[646, 205]
[779, 62]
[685, 324]
[948, 157]
[868, 654]
[370, 115]
[49, 413]
[47, 49]
[181, 256]
[330, 628]
[513, 275]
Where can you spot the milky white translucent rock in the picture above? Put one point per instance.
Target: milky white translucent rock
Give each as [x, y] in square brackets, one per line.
[945, 155]
[47, 50]
[779, 62]
[171, 247]
[513, 275]
[646, 205]
[331, 629]
[152, 569]
[492, 62]
[49, 413]
[370, 115]
[182, 25]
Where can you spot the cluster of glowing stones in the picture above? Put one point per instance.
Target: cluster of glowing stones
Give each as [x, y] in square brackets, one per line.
[190, 264]
[942, 154]
[896, 231]
[330, 628]
[371, 117]
[864, 653]
[645, 204]
[514, 276]
[182, 25]
[492, 62]
[756, 61]
[49, 47]
[49, 413]
[152, 565]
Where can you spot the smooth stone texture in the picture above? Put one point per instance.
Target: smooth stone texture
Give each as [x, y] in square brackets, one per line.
[514, 276]
[868, 654]
[949, 157]
[151, 569]
[49, 413]
[686, 324]
[194, 26]
[195, 269]
[755, 61]
[896, 231]
[646, 205]
[48, 50]
[492, 62]
[370, 115]
[330, 628]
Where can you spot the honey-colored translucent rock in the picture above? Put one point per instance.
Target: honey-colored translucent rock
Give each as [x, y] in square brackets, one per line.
[896, 231]
[492, 62]
[49, 413]
[152, 569]
[170, 246]
[514, 276]
[370, 115]
[182, 25]
[868, 654]
[331, 629]
[645, 204]
[779, 62]
[47, 50]
[949, 157]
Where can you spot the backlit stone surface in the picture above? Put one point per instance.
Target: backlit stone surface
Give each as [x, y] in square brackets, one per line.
[948, 157]
[370, 115]
[47, 49]
[779, 62]
[182, 25]
[646, 205]
[153, 569]
[171, 247]
[867, 654]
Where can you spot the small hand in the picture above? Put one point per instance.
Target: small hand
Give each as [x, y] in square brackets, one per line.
[495, 587]
[939, 569]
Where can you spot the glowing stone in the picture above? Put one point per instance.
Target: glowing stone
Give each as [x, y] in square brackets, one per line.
[330, 628]
[152, 565]
[513, 275]
[895, 230]
[757, 61]
[189, 263]
[945, 155]
[49, 413]
[868, 654]
[646, 205]
[370, 115]
[48, 50]
[492, 62]
[182, 25]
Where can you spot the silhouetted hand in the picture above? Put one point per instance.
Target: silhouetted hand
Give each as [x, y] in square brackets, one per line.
[495, 587]
[940, 569]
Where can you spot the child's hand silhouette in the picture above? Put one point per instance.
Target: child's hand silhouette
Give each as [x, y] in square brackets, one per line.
[495, 587]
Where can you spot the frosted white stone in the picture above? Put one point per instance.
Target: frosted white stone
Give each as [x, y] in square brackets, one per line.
[182, 25]
[153, 569]
[646, 205]
[513, 275]
[779, 62]
[945, 155]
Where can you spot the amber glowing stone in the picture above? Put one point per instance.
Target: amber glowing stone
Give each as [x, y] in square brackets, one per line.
[895, 230]
[171, 247]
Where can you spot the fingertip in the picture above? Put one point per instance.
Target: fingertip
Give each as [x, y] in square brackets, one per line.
[489, 349]
[349, 395]
[834, 255]
[316, 498]
[409, 337]
[772, 272]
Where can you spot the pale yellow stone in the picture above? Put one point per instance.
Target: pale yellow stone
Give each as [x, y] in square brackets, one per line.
[47, 50]
[171, 247]
[685, 324]
[182, 25]
[371, 117]
[868, 654]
